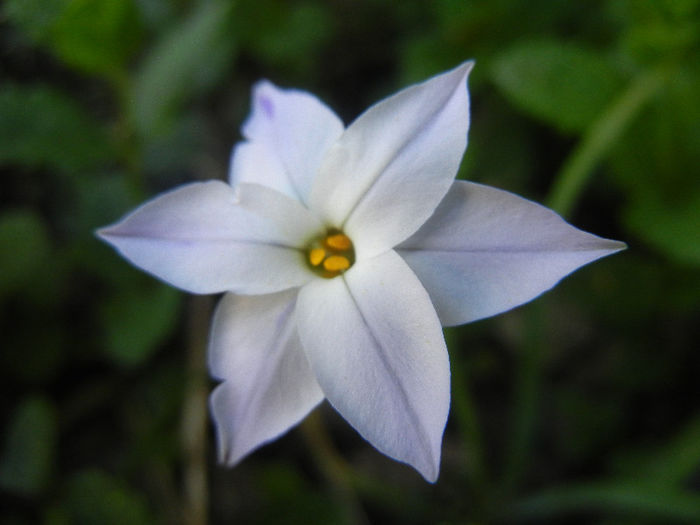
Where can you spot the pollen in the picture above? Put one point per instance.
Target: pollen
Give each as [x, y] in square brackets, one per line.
[339, 241]
[336, 263]
[331, 254]
[316, 256]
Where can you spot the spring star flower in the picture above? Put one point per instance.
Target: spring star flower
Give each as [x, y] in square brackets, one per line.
[342, 252]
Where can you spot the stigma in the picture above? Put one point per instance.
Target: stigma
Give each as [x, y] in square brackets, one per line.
[331, 255]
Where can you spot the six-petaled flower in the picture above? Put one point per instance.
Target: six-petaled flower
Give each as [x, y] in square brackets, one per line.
[342, 252]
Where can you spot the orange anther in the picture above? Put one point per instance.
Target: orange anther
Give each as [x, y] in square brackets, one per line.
[339, 241]
[336, 263]
[316, 256]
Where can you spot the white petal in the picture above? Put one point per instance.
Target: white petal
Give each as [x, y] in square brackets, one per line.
[268, 385]
[205, 238]
[486, 251]
[292, 131]
[253, 162]
[393, 165]
[375, 344]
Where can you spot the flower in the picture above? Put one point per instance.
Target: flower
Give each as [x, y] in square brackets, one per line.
[342, 252]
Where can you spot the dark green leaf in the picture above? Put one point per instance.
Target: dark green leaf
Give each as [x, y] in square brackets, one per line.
[25, 248]
[611, 498]
[560, 83]
[655, 163]
[657, 29]
[136, 319]
[41, 127]
[97, 36]
[672, 228]
[299, 503]
[284, 36]
[97, 497]
[30, 444]
[184, 63]
[35, 17]
[99, 201]
[673, 463]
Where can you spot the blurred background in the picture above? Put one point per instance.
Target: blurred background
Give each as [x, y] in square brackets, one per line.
[581, 407]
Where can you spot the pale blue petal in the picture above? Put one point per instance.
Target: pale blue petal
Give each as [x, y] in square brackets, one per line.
[290, 132]
[376, 347]
[267, 386]
[206, 238]
[391, 168]
[485, 251]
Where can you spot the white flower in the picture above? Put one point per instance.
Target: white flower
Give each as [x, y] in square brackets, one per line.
[342, 251]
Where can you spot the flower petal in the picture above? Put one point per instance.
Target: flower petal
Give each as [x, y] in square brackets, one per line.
[292, 131]
[375, 344]
[268, 384]
[254, 162]
[393, 165]
[485, 251]
[206, 238]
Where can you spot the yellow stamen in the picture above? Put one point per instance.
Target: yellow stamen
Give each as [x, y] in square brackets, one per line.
[316, 256]
[336, 263]
[330, 255]
[339, 241]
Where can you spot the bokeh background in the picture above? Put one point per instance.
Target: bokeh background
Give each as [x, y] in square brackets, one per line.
[581, 407]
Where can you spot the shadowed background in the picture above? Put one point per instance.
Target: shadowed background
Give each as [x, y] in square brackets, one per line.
[583, 407]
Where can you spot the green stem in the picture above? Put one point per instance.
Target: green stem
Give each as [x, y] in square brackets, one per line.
[332, 466]
[194, 416]
[464, 410]
[602, 134]
[526, 397]
[348, 484]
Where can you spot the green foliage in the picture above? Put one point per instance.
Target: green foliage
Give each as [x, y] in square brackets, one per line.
[671, 465]
[561, 83]
[654, 163]
[136, 319]
[94, 36]
[97, 36]
[96, 497]
[185, 62]
[27, 460]
[299, 502]
[672, 228]
[35, 17]
[98, 201]
[627, 499]
[280, 34]
[26, 247]
[658, 30]
[42, 127]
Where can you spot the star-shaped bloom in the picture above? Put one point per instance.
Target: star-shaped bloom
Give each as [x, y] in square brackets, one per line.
[341, 253]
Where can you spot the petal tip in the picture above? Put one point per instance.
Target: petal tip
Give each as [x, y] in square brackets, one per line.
[432, 475]
[611, 246]
[263, 93]
[618, 246]
[225, 445]
[102, 233]
[463, 70]
[107, 233]
[467, 66]
[430, 469]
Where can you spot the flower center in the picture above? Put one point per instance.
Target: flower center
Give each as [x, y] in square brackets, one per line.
[331, 255]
